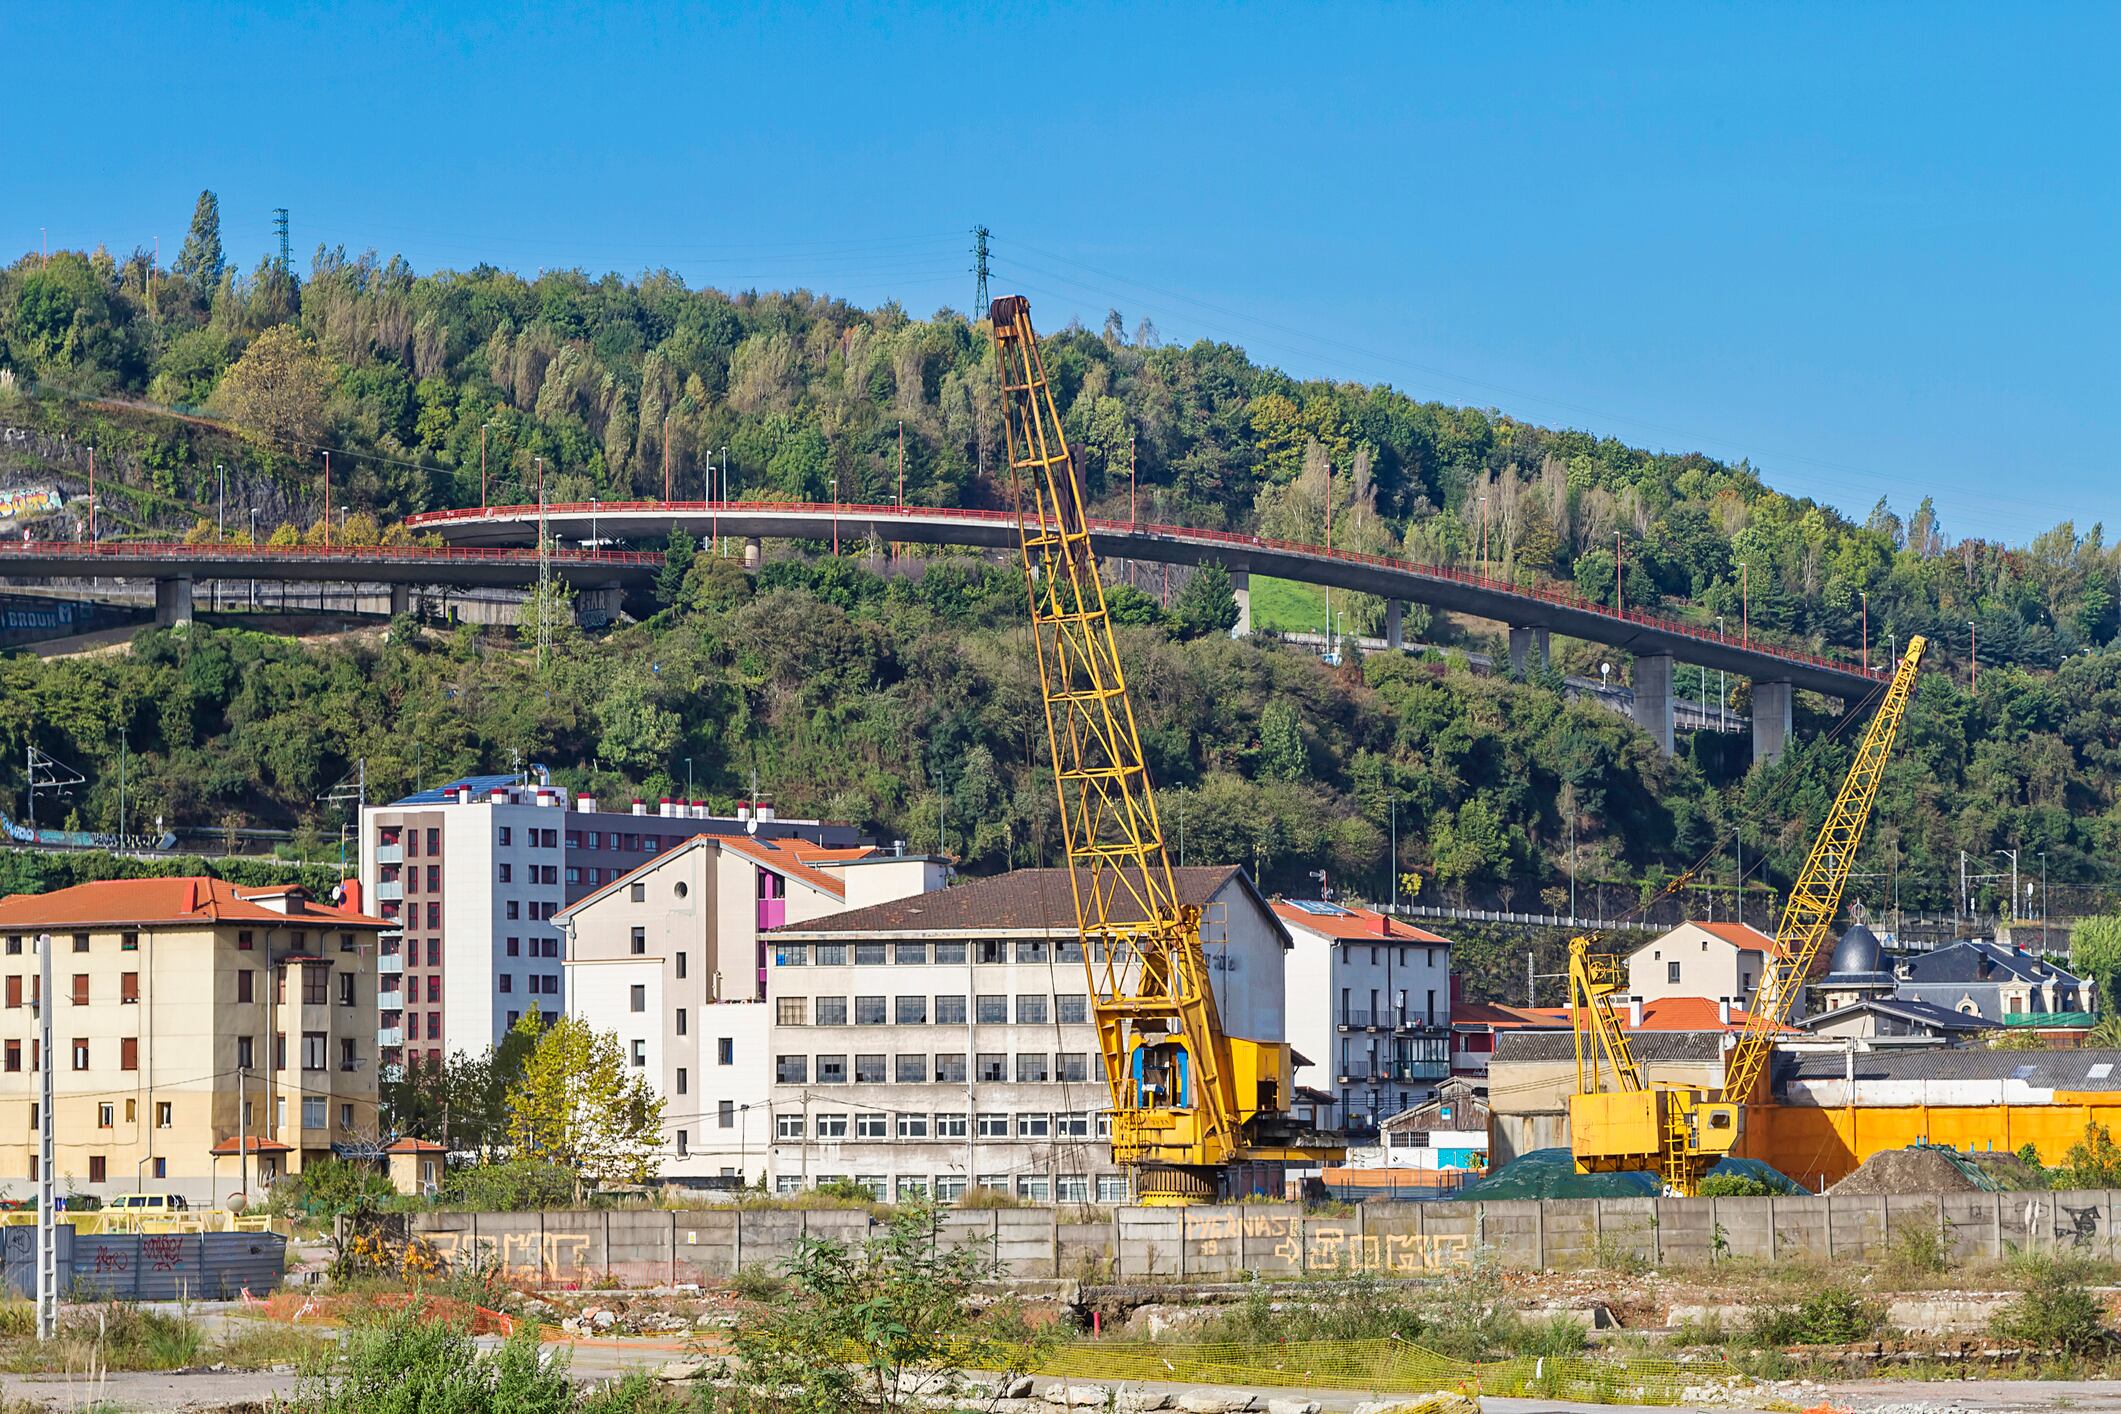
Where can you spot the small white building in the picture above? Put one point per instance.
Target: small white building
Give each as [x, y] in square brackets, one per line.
[670, 956]
[1719, 961]
[948, 1041]
[1369, 1000]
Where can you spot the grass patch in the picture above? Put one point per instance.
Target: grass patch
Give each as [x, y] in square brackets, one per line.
[114, 1336]
[1464, 1315]
[1284, 606]
[265, 1345]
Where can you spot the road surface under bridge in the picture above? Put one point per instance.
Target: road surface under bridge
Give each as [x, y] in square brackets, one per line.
[1532, 614]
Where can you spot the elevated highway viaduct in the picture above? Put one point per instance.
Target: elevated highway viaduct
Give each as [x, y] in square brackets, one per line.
[1656, 643]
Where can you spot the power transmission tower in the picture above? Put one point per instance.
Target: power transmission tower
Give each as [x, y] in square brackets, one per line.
[979, 268]
[279, 225]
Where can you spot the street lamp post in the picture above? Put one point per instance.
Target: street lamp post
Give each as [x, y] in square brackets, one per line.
[482, 464]
[1866, 628]
[254, 546]
[835, 515]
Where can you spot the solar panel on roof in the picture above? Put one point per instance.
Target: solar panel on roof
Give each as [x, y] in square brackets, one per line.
[1319, 907]
[2023, 1072]
[2099, 1071]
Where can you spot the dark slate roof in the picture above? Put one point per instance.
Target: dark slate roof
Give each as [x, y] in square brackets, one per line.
[441, 795]
[2058, 1070]
[1020, 900]
[1922, 1013]
[1647, 1045]
[1961, 962]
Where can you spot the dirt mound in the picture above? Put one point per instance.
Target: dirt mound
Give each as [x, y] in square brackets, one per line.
[1910, 1171]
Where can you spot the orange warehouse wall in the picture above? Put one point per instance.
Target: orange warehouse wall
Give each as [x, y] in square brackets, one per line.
[1819, 1145]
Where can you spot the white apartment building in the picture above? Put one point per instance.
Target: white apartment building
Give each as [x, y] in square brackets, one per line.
[1369, 1008]
[474, 872]
[946, 1040]
[670, 957]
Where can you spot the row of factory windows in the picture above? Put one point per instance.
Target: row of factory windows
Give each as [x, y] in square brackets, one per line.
[989, 1009]
[950, 1187]
[873, 1125]
[941, 954]
[949, 1068]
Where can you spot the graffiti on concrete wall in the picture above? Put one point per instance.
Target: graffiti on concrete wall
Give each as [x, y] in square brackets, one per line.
[24, 502]
[534, 1256]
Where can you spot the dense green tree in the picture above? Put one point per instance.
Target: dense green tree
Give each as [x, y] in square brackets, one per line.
[200, 260]
[1207, 604]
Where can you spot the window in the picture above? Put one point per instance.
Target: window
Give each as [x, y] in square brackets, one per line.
[871, 1126]
[639, 1057]
[434, 989]
[245, 1058]
[279, 1050]
[1071, 1188]
[316, 986]
[505, 835]
[950, 1126]
[787, 1126]
[832, 1070]
[831, 954]
[106, 1116]
[868, 954]
[434, 919]
[868, 1011]
[868, 1070]
[128, 942]
[1031, 1068]
[1071, 1010]
[312, 1111]
[950, 1068]
[161, 1167]
[637, 998]
[909, 1070]
[1671, 972]
[80, 989]
[14, 945]
[791, 954]
[949, 1187]
[513, 910]
[244, 991]
[993, 1010]
[637, 892]
[1068, 950]
[912, 1189]
[910, 954]
[909, 1011]
[80, 1053]
[14, 991]
[791, 1070]
[508, 982]
[682, 1139]
[508, 873]
[434, 841]
[913, 1126]
[725, 1050]
[165, 1115]
[346, 989]
[950, 1011]
[129, 1053]
[80, 942]
[313, 1050]
[347, 1059]
[1034, 1126]
[515, 947]
[1072, 1126]
[681, 1021]
[725, 1114]
[992, 1065]
[98, 1169]
[949, 952]
[1030, 1009]
[14, 1056]
[679, 960]
[1031, 950]
[1031, 1187]
[831, 1011]
[1071, 1066]
[993, 1126]
[990, 950]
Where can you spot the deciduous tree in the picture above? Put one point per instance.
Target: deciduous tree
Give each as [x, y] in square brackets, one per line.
[579, 1105]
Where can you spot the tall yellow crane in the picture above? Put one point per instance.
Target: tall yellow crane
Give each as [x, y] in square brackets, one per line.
[1188, 1099]
[1680, 1133]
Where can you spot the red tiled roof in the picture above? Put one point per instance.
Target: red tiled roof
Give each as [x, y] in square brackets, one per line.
[771, 854]
[1740, 935]
[1661, 1014]
[410, 1145]
[252, 1144]
[1495, 1015]
[1354, 923]
[186, 899]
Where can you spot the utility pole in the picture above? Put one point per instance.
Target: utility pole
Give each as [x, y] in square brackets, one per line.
[327, 500]
[544, 575]
[91, 494]
[243, 1133]
[1620, 596]
[1134, 502]
[979, 268]
[1745, 605]
[1866, 628]
[279, 222]
[47, 1153]
[666, 462]
[482, 465]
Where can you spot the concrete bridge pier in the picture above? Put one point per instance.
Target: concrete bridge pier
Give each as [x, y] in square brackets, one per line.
[400, 599]
[1772, 720]
[1395, 638]
[1525, 645]
[173, 602]
[1241, 586]
[1653, 697]
[754, 552]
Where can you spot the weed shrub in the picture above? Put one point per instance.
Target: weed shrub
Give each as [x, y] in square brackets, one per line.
[1918, 1249]
[1737, 1185]
[1832, 1315]
[2059, 1317]
[519, 1185]
[406, 1364]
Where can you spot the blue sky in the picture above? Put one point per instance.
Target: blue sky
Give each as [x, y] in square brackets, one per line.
[1873, 248]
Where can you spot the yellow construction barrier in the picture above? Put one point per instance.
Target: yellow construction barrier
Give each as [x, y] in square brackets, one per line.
[98, 1221]
[1389, 1366]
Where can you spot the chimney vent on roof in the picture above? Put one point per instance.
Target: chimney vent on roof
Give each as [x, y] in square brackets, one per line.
[1723, 1011]
[1384, 926]
[898, 849]
[1634, 1013]
[585, 802]
[663, 807]
[638, 807]
[762, 809]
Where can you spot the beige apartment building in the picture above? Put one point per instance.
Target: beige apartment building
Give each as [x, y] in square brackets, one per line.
[671, 957]
[200, 1030]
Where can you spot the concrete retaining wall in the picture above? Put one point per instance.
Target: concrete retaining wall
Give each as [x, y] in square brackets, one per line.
[644, 1248]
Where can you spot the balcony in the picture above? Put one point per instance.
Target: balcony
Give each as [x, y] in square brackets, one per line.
[390, 854]
[390, 1037]
[390, 964]
[1361, 1019]
[390, 891]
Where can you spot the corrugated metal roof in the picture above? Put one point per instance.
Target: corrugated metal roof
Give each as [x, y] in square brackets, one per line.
[1023, 899]
[1646, 1045]
[2044, 1070]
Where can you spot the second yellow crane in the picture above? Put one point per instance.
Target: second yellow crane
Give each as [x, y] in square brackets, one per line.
[1680, 1133]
